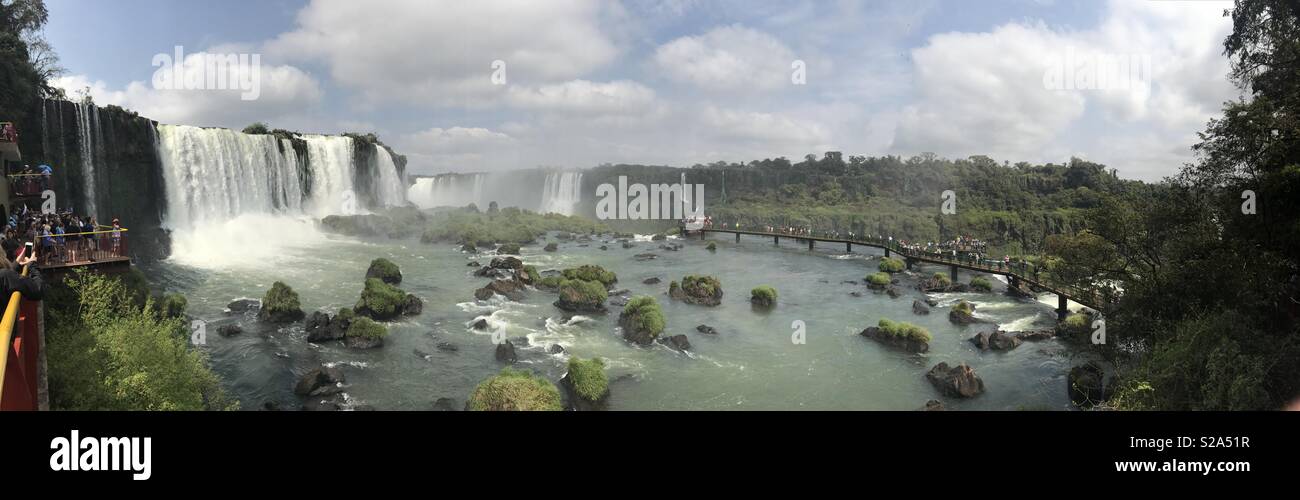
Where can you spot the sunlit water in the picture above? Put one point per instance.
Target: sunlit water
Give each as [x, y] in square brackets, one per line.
[750, 364]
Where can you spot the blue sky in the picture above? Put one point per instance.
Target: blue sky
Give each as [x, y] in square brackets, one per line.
[677, 82]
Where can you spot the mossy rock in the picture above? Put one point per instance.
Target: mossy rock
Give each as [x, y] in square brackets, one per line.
[592, 273]
[941, 279]
[905, 336]
[878, 280]
[380, 300]
[962, 313]
[892, 265]
[981, 284]
[642, 320]
[550, 283]
[385, 270]
[712, 247]
[763, 296]
[700, 290]
[578, 295]
[586, 383]
[515, 390]
[508, 249]
[281, 305]
[551, 247]
[364, 333]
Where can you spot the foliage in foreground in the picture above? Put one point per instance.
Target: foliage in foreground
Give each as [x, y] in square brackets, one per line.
[106, 352]
[515, 390]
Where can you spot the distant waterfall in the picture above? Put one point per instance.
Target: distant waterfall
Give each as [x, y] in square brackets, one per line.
[562, 192]
[452, 190]
[89, 140]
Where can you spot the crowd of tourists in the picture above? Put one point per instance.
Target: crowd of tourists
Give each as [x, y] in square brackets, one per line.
[60, 238]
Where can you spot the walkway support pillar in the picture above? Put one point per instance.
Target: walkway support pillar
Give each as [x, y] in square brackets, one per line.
[886, 252]
[737, 237]
[848, 247]
[702, 233]
[1061, 310]
[909, 264]
[810, 245]
[776, 240]
[954, 274]
[1013, 282]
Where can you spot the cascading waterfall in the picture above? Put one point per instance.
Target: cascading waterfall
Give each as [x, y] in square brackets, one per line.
[87, 133]
[562, 192]
[213, 175]
[390, 188]
[235, 197]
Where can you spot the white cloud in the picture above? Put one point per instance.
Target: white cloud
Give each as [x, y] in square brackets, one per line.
[441, 53]
[728, 58]
[583, 96]
[282, 91]
[987, 93]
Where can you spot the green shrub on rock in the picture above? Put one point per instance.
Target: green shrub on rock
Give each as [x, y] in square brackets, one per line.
[892, 265]
[281, 305]
[365, 329]
[642, 320]
[591, 273]
[942, 279]
[880, 279]
[380, 300]
[763, 295]
[587, 378]
[981, 284]
[385, 270]
[902, 330]
[696, 289]
[581, 295]
[712, 246]
[515, 390]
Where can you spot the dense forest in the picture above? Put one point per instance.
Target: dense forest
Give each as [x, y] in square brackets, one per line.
[1015, 207]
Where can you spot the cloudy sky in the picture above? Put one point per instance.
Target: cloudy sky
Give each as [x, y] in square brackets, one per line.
[680, 82]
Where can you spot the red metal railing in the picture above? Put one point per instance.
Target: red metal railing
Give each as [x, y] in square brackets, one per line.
[19, 362]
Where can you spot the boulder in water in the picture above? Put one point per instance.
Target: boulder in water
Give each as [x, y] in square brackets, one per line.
[679, 342]
[642, 320]
[706, 329]
[955, 381]
[229, 330]
[505, 353]
[699, 290]
[243, 305]
[321, 381]
[551, 247]
[919, 307]
[507, 288]
[963, 313]
[651, 281]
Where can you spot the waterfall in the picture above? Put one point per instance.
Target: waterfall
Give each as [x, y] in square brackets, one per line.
[87, 133]
[213, 175]
[561, 192]
[449, 190]
[390, 191]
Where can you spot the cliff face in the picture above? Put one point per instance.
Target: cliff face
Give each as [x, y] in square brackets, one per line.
[105, 162]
